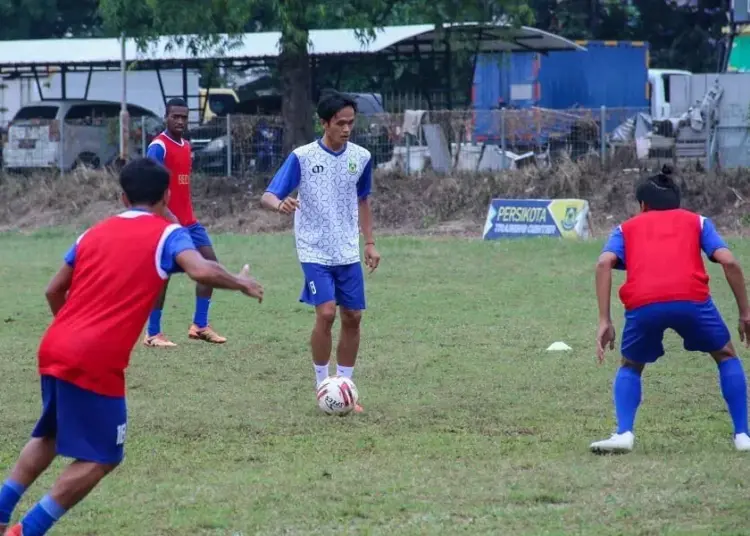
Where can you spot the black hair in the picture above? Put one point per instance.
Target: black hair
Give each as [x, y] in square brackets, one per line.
[659, 192]
[332, 102]
[176, 102]
[144, 181]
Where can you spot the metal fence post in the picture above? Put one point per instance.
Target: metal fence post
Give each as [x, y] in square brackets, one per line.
[503, 142]
[229, 145]
[143, 136]
[603, 135]
[61, 157]
[408, 153]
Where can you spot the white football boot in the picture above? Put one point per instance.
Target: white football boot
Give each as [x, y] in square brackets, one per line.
[742, 442]
[617, 444]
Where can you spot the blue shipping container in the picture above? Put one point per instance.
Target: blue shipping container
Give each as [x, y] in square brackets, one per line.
[609, 73]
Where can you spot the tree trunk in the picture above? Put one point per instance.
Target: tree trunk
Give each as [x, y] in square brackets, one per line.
[296, 91]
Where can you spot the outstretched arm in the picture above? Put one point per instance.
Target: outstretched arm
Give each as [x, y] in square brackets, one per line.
[287, 178]
[179, 254]
[213, 274]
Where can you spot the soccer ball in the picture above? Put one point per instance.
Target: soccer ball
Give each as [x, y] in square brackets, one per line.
[337, 395]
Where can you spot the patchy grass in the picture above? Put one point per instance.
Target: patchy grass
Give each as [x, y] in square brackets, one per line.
[471, 427]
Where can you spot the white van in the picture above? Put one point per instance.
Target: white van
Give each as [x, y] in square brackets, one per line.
[63, 134]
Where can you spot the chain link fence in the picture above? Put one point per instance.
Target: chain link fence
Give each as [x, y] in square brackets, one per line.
[412, 141]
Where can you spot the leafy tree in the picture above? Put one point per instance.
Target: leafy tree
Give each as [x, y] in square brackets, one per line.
[218, 24]
[42, 19]
[683, 35]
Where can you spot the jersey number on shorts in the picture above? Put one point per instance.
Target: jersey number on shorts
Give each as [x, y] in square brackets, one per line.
[311, 284]
[121, 431]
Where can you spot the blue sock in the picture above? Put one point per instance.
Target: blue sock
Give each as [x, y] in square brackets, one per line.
[10, 494]
[734, 389]
[154, 323]
[201, 312]
[627, 396]
[40, 519]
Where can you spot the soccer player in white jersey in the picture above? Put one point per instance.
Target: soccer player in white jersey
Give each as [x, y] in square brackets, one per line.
[333, 177]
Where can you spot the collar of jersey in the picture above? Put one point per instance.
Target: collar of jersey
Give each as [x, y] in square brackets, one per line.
[134, 213]
[331, 151]
[170, 138]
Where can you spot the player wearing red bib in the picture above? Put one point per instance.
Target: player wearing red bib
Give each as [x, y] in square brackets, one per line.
[100, 299]
[666, 287]
[173, 151]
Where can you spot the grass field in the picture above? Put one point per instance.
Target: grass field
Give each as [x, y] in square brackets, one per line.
[470, 427]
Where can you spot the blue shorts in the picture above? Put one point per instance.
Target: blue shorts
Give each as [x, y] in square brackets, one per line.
[699, 324]
[199, 235]
[343, 284]
[86, 426]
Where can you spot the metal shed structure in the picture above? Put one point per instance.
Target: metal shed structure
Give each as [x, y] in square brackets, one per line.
[35, 58]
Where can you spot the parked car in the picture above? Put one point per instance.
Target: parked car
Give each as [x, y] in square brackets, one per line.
[260, 150]
[63, 134]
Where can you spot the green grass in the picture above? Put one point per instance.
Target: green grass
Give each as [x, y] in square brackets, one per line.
[471, 427]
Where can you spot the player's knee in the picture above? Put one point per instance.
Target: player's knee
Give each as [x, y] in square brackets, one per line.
[351, 319]
[633, 365]
[325, 314]
[96, 471]
[208, 253]
[107, 468]
[725, 353]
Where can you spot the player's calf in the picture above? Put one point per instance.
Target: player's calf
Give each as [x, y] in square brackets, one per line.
[627, 394]
[346, 353]
[34, 459]
[201, 328]
[733, 385]
[321, 341]
[10, 496]
[77, 481]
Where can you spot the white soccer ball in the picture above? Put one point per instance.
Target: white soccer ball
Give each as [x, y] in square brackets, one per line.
[337, 395]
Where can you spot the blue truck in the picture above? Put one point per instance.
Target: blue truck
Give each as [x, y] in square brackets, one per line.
[559, 90]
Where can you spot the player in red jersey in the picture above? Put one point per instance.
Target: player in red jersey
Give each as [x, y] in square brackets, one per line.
[100, 299]
[666, 287]
[173, 151]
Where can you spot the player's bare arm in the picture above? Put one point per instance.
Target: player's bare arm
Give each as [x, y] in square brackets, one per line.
[372, 257]
[213, 274]
[284, 206]
[58, 287]
[736, 279]
[605, 335]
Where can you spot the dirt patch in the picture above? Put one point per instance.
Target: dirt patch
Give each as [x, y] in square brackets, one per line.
[424, 204]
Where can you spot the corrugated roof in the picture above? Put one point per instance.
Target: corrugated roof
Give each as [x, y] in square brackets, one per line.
[262, 45]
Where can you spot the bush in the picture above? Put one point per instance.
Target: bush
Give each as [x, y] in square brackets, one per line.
[401, 203]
